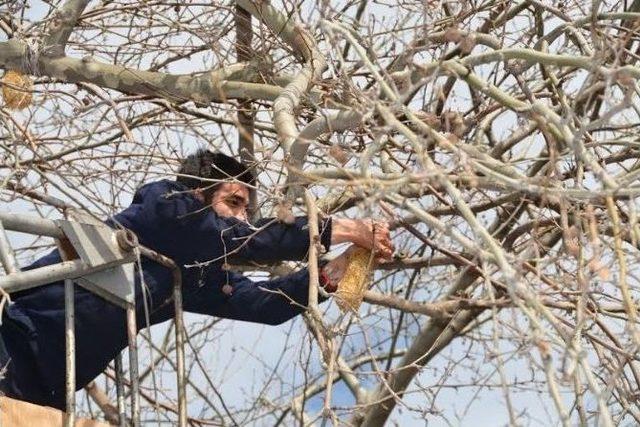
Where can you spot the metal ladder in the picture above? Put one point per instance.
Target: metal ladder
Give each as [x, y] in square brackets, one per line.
[101, 260]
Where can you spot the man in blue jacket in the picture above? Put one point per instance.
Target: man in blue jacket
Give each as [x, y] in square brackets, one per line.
[200, 221]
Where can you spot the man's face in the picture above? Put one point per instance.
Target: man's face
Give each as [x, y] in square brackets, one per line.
[231, 199]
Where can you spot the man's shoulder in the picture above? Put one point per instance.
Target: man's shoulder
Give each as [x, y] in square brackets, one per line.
[163, 188]
[163, 184]
[169, 200]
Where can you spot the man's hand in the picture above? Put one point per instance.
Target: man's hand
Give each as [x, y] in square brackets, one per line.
[367, 233]
[334, 270]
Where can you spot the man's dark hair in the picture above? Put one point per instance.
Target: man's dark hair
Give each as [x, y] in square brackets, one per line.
[211, 166]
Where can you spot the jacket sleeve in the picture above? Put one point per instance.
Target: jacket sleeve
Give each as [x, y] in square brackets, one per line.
[270, 302]
[269, 240]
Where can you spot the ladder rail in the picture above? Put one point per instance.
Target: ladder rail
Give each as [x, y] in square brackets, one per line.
[126, 244]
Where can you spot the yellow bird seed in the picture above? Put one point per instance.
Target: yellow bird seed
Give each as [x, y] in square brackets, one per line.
[355, 281]
[16, 90]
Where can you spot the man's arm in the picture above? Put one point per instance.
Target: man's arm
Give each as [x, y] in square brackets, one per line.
[165, 209]
[270, 302]
[214, 237]
[269, 240]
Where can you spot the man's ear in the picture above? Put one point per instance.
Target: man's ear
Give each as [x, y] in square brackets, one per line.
[199, 194]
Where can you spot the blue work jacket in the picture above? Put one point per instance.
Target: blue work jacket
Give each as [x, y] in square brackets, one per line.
[167, 218]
